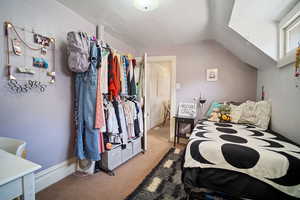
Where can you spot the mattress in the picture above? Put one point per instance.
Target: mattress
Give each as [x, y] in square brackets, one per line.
[242, 160]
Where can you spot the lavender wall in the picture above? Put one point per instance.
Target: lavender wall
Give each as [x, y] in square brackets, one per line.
[44, 121]
[237, 80]
[280, 89]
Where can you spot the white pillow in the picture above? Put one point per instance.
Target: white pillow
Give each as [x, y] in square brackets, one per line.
[263, 114]
[235, 113]
[248, 113]
[256, 113]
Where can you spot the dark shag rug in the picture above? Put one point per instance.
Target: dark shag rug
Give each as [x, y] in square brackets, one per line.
[164, 182]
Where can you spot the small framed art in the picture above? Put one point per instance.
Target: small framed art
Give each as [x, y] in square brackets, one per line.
[212, 74]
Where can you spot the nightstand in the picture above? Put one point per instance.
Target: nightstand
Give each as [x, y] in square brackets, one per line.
[182, 120]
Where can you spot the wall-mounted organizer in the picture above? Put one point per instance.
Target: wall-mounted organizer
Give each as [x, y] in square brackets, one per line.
[30, 60]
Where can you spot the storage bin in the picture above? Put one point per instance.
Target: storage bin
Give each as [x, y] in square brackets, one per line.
[136, 146]
[112, 159]
[127, 152]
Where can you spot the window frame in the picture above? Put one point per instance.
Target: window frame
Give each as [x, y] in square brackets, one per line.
[287, 31]
[288, 22]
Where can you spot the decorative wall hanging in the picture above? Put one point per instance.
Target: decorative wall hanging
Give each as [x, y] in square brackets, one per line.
[26, 70]
[40, 66]
[30, 85]
[40, 62]
[16, 44]
[42, 40]
[212, 74]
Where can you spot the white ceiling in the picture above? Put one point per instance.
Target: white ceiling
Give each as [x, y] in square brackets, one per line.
[174, 22]
[178, 22]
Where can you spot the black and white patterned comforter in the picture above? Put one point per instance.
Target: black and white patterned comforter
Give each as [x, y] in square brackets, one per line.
[246, 149]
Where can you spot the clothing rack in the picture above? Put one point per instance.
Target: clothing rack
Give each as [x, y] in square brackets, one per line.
[100, 38]
[129, 97]
[123, 119]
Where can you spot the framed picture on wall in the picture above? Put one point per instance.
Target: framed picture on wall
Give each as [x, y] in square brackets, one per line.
[212, 74]
[187, 110]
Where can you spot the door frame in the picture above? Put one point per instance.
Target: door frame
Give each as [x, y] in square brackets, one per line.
[171, 59]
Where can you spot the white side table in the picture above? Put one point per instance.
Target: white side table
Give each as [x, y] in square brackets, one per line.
[16, 177]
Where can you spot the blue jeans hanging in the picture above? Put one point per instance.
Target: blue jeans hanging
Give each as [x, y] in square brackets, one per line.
[87, 138]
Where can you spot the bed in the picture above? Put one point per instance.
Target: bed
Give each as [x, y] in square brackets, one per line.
[243, 161]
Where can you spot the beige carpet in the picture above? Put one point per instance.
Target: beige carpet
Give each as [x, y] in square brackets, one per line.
[104, 187]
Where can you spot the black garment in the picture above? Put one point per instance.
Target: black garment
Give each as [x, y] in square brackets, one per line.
[109, 67]
[137, 129]
[131, 83]
[116, 107]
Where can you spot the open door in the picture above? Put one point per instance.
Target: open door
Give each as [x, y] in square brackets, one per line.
[146, 107]
[146, 104]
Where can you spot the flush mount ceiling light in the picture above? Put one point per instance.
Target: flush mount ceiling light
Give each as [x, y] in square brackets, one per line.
[146, 5]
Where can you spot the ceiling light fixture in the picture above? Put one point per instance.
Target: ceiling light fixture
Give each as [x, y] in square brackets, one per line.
[146, 5]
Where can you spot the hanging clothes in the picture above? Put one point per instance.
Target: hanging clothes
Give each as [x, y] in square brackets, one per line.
[87, 137]
[140, 118]
[130, 79]
[116, 108]
[121, 73]
[101, 143]
[137, 129]
[104, 71]
[134, 116]
[123, 66]
[129, 116]
[112, 122]
[112, 125]
[99, 116]
[124, 134]
[114, 84]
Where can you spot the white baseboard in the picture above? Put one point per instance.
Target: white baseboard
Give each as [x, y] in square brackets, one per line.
[54, 174]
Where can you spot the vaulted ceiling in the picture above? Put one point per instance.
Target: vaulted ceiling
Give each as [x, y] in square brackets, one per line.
[174, 22]
[178, 22]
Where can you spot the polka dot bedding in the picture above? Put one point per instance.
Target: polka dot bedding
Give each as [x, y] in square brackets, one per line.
[246, 149]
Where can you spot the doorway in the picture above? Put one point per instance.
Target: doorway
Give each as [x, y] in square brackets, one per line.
[159, 97]
[160, 94]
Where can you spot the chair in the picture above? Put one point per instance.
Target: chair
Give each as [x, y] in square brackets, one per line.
[13, 146]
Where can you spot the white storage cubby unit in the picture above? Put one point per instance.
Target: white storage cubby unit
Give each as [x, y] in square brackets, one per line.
[117, 155]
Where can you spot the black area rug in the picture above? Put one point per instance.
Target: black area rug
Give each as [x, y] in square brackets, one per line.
[164, 182]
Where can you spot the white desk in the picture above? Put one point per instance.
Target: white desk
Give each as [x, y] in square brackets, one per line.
[16, 177]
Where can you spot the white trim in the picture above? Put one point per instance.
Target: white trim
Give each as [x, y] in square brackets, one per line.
[146, 105]
[290, 17]
[288, 29]
[171, 59]
[54, 174]
[286, 58]
[289, 58]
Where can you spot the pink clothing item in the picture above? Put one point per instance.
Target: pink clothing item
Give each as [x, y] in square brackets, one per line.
[101, 143]
[100, 117]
